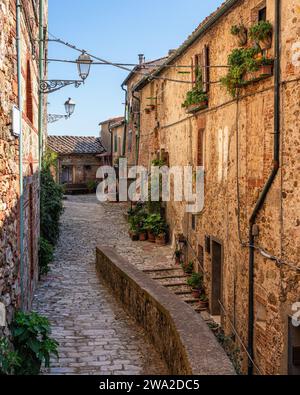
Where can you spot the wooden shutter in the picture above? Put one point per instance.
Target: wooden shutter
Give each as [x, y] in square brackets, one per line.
[206, 73]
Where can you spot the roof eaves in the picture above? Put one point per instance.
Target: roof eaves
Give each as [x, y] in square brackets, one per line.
[210, 21]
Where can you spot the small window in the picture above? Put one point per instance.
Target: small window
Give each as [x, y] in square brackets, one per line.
[115, 143]
[194, 225]
[130, 141]
[29, 102]
[262, 14]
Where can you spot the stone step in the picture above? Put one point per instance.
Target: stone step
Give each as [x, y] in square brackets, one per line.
[170, 277]
[173, 285]
[163, 269]
[183, 292]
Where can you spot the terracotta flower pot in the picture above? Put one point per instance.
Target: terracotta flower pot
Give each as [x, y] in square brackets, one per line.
[134, 236]
[266, 43]
[143, 236]
[161, 239]
[193, 108]
[151, 237]
[177, 261]
[196, 293]
[242, 38]
[266, 69]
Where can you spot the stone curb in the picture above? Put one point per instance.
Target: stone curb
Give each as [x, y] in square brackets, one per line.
[179, 334]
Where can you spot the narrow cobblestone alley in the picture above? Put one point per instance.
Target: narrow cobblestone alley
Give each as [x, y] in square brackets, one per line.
[95, 335]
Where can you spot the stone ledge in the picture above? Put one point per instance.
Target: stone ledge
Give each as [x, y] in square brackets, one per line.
[179, 334]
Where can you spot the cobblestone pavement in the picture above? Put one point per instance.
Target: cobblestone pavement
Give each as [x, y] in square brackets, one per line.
[95, 335]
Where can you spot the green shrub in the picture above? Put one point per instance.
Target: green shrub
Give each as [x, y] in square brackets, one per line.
[46, 251]
[92, 186]
[51, 206]
[33, 345]
[9, 359]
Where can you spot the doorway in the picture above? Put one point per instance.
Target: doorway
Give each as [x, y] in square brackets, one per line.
[293, 349]
[67, 175]
[216, 283]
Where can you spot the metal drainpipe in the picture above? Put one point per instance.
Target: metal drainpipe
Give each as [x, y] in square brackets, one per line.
[125, 123]
[138, 135]
[41, 76]
[20, 105]
[264, 193]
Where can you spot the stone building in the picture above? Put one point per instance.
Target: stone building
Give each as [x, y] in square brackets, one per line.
[246, 240]
[132, 99]
[78, 160]
[117, 130]
[107, 140]
[19, 196]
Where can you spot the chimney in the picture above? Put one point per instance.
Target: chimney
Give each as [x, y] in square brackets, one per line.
[141, 58]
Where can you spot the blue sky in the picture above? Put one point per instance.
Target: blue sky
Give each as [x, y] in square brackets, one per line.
[117, 30]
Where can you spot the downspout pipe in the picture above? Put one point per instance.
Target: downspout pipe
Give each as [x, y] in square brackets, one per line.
[125, 121]
[267, 187]
[41, 76]
[138, 133]
[21, 185]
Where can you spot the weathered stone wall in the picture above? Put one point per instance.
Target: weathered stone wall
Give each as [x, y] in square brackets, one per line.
[10, 271]
[238, 155]
[178, 333]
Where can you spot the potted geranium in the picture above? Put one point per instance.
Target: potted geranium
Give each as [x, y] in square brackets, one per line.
[196, 283]
[240, 32]
[261, 33]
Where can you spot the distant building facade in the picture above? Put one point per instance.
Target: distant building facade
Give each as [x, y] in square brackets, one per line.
[78, 160]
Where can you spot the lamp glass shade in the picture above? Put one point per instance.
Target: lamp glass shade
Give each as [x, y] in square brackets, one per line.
[70, 106]
[84, 65]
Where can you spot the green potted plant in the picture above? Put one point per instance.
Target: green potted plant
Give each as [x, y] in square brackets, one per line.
[196, 283]
[188, 267]
[178, 256]
[243, 63]
[151, 223]
[261, 33]
[241, 33]
[203, 302]
[161, 231]
[196, 99]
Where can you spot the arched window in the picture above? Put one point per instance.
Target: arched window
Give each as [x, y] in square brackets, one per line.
[29, 104]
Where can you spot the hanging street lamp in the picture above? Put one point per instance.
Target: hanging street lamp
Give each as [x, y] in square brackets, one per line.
[69, 107]
[84, 63]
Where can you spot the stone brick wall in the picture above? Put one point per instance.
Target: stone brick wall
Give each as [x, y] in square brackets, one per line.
[10, 271]
[178, 333]
[238, 154]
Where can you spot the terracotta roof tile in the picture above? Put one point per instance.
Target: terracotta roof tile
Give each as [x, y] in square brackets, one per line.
[75, 145]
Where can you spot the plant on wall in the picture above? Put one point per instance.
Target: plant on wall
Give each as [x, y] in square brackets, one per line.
[242, 61]
[261, 32]
[240, 32]
[196, 95]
